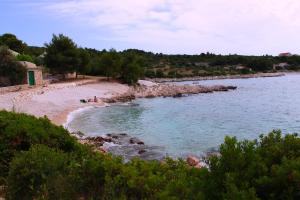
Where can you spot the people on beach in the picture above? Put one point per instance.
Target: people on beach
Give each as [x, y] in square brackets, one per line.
[95, 100]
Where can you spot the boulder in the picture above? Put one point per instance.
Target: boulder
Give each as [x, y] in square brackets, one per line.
[192, 161]
[142, 151]
[135, 141]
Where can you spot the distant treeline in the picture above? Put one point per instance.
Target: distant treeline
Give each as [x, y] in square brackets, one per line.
[62, 55]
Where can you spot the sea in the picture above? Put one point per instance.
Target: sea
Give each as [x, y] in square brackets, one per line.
[197, 124]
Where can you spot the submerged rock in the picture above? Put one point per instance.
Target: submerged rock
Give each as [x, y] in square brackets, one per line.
[135, 141]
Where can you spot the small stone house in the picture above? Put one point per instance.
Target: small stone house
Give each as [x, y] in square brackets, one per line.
[34, 73]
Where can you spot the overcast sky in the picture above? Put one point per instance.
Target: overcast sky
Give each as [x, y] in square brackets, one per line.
[251, 27]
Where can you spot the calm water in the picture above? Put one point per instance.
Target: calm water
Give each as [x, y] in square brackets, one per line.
[197, 123]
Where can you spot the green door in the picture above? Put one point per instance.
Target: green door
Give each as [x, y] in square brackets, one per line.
[31, 78]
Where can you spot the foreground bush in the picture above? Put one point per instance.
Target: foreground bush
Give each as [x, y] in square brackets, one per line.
[50, 164]
[19, 131]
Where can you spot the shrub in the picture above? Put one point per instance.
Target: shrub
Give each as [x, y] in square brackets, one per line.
[18, 132]
[44, 162]
[24, 57]
[39, 174]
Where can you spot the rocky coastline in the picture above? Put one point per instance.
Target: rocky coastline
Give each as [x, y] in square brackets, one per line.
[122, 144]
[165, 90]
[203, 78]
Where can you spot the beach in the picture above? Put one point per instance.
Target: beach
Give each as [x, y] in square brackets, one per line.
[56, 101]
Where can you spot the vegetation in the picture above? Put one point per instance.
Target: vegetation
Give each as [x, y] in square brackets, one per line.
[12, 42]
[62, 56]
[11, 72]
[42, 161]
[24, 57]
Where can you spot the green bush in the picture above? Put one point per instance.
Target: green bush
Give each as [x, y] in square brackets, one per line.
[24, 57]
[45, 162]
[18, 132]
[39, 173]
[48, 173]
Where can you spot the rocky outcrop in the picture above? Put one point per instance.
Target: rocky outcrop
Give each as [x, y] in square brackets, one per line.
[192, 161]
[172, 90]
[202, 78]
[164, 90]
[129, 96]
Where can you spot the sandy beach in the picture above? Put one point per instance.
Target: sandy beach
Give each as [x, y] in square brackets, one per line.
[56, 101]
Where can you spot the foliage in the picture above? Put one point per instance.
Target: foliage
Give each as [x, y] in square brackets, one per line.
[131, 68]
[19, 131]
[45, 162]
[84, 59]
[62, 55]
[24, 57]
[264, 169]
[11, 72]
[42, 175]
[12, 42]
[110, 63]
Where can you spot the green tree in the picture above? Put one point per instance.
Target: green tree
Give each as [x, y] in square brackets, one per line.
[12, 42]
[62, 55]
[84, 59]
[11, 72]
[110, 63]
[131, 68]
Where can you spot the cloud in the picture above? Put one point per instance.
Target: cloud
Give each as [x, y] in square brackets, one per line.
[191, 26]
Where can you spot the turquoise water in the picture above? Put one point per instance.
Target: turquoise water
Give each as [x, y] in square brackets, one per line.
[199, 123]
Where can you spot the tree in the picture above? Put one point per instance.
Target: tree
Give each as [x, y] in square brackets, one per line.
[12, 42]
[110, 63]
[131, 68]
[11, 72]
[84, 59]
[62, 55]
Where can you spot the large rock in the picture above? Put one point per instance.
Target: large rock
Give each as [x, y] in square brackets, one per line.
[192, 161]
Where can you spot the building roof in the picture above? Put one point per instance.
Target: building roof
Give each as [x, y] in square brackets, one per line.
[285, 54]
[28, 65]
[14, 53]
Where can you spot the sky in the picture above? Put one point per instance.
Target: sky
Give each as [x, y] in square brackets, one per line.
[247, 27]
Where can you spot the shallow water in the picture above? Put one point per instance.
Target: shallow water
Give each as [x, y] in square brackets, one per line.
[198, 123]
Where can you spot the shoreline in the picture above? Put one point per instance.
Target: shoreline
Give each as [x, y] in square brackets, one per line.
[160, 90]
[205, 78]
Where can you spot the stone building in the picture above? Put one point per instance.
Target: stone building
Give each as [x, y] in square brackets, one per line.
[34, 73]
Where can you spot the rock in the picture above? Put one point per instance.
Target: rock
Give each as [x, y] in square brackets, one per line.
[142, 151]
[140, 143]
[78, 133]
[102, 150]
[135, 141]
[192, 161]
[107, 139]
[177, 95]
[231, 87]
